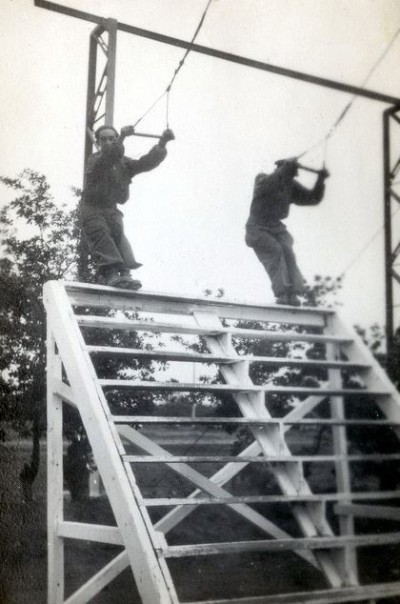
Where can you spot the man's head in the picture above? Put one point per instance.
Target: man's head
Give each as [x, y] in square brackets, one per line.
[106, 135]
[288, 167]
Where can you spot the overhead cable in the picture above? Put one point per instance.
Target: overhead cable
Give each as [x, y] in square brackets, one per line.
[179, 67]
[374, 236]
[348, 106]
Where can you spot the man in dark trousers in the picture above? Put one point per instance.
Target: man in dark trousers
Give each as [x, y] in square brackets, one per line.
[267, 234]
[107, 178]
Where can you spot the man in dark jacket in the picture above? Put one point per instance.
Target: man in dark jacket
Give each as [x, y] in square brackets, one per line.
[267, 234]
[107, 179]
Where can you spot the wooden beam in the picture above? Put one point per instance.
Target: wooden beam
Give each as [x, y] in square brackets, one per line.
[55, 475]
[65, 393]
[100, 580]
[279, 545]
[314, 498]
[159, 420]
[261, 459]
[347, 557]
[339, 595]
[104, 442]
[90, 532]
[358, 351]
[270, 439]
[197, 357]
[205, 485]
[84, 294]
[167, 327]
[237, 388]
[368, 511]
[225, 474]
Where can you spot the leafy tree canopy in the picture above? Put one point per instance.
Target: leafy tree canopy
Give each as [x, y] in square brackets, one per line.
[39, 243]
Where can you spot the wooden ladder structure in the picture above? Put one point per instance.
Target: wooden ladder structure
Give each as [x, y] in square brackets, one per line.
[324, 533]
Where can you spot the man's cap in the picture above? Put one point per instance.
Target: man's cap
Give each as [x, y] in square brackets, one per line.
[105, 127]
[287, 160]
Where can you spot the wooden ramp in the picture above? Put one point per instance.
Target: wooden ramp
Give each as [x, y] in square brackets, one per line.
[233, 509]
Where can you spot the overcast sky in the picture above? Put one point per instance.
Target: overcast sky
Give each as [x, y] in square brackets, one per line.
[186, 219]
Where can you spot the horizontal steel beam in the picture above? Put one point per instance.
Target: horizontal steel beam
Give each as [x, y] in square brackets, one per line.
[219, 54]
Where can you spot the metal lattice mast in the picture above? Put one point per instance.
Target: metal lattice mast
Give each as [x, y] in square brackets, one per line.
[99, 101]
[101, 82]
[391, 169]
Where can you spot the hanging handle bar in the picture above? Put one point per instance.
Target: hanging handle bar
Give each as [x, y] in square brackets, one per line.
[95, 143]
[146, 135]
[307, 169]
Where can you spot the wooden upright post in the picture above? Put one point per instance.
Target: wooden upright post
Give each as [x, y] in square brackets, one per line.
[55, 503]
[347, 557]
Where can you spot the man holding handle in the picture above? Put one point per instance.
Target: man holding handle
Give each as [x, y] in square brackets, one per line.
[267, 234]
[107, 178]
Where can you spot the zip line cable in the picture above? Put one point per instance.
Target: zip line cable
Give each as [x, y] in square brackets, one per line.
[374, 236]
[180, 65]
[348, 106]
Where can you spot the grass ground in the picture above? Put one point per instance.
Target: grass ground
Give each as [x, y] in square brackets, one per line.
[23, 551]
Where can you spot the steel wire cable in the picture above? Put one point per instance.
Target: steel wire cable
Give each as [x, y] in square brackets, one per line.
[369, 242]
[325, 139]
[178, 68]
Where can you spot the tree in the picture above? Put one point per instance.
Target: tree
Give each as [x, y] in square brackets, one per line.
[39, 243]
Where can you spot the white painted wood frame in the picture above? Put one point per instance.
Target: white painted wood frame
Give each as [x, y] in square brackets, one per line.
[145, 548]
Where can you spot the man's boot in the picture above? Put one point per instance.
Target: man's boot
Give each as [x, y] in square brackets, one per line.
[109, 275]
[293, 300]
[283, 299]
[126, 281]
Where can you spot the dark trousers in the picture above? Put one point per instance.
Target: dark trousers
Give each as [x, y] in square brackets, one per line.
[273, 247]
[104, 231]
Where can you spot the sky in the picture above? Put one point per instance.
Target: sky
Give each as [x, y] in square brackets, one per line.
[186, 219]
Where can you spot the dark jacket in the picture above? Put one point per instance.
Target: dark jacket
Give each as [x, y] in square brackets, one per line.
[273, 195]
[109, 174]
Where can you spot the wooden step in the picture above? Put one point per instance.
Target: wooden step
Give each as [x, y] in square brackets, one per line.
[260, 459]
[237, 388]
[244, 421]
[166, 327]
[160, 355]
[338, 595]
[379, 512]
[197, 357]
[274, 499]
[271, 545]
[143, 325]
[84, 294]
